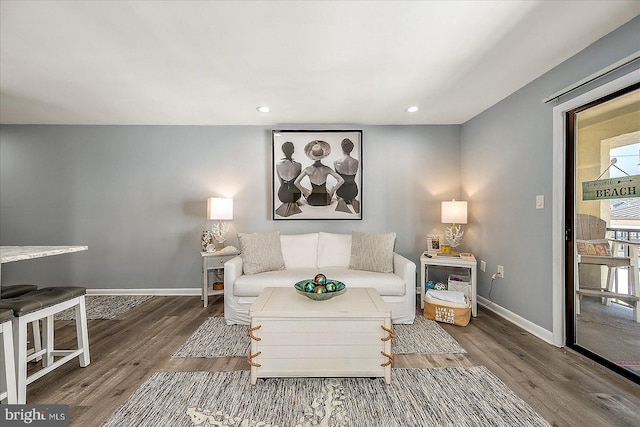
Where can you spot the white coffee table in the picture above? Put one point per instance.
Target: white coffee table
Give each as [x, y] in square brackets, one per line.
[294, 336]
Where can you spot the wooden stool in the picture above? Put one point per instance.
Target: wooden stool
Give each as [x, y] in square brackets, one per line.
[38, 305]
[8, 383]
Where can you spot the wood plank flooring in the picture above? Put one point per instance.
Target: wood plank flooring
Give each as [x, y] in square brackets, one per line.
[564, 387]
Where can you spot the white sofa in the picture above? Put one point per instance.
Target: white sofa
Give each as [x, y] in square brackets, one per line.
[306, 255]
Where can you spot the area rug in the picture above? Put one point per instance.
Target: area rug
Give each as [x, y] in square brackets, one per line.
[214, 338]
[105, 307]
[416, 397]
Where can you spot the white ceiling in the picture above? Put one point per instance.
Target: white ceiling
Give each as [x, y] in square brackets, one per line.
[311, 62]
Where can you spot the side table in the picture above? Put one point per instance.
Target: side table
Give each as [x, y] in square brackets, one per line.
[467, 261]
[213, 261]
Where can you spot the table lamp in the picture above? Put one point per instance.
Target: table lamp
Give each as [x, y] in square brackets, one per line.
[220, 209]
[454, 212]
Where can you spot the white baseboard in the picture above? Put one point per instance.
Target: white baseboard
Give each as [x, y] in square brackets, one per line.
[145, 291]
[525, 324]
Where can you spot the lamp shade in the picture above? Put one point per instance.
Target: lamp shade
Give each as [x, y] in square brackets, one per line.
[220, 208]
[454, 212]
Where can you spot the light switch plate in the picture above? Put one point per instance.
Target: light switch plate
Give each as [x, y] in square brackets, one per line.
[540, 201]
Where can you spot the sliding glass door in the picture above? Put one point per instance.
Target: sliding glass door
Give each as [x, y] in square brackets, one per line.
[603, 230]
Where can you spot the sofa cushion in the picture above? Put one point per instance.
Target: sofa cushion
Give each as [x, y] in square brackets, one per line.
[372, 251]
[387, 284]
[299, 250]
[253, 285]
[334, 250]
[260, 252]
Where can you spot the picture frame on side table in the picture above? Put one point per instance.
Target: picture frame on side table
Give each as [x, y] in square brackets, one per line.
[434, 243]
[316, 174]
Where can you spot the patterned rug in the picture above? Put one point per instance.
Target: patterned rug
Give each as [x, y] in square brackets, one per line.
[105, 307]
[424, 336]
[416, 397]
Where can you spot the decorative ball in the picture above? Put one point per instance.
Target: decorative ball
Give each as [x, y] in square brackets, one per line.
[309, 286]
[331, 287]
[319, 289]
[320, 279]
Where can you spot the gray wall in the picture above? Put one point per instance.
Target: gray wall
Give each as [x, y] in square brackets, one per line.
[507, 161]
[137, 195]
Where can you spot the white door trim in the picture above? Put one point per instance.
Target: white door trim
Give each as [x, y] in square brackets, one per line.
[559, 170]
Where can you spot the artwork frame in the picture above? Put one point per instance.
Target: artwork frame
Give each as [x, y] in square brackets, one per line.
[332, 155]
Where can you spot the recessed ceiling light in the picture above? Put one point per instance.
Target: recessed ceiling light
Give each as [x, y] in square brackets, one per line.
[263, 109]
[412, 109]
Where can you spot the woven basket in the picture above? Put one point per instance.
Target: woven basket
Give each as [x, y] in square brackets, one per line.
[447, 312]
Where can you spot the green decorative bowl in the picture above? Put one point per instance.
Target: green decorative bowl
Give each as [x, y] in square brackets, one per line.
[331, 288]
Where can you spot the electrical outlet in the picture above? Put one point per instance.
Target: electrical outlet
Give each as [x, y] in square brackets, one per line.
[483, 265]
[501, 272]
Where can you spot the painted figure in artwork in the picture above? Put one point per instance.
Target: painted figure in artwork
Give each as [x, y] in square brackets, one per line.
[347, 167]
[288, 170]
[319, 195]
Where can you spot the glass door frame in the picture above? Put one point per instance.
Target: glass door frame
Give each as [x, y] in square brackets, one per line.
[569, 212]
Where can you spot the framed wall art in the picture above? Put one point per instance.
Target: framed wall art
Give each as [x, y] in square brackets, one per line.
[317, 174]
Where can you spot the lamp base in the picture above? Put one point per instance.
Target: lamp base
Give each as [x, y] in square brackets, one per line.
[453, 235]
[219, 232]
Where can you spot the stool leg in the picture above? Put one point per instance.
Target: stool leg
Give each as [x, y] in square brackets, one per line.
[82, 332]
[47, 332]
[20, 355]
[37, 340]
[9, 381]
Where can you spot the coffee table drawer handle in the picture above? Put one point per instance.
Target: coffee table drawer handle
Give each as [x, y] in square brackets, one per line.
[388, 356]
[390, 331]
[250, 332]
[250, 358]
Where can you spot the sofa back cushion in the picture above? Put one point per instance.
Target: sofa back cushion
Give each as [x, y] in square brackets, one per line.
[372, 251]
[334, 250]
[299, 250]
[260, 252]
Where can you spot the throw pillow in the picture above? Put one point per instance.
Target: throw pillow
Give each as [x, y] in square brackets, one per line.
[299, 250]
[372, 252]
[260, 252]
[599, 247]
[334, 250]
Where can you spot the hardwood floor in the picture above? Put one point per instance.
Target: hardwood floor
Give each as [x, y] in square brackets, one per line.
[564, 387]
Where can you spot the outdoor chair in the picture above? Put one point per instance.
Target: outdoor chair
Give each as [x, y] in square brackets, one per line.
[593, 248]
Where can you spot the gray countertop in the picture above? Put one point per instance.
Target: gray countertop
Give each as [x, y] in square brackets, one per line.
[19, 253]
